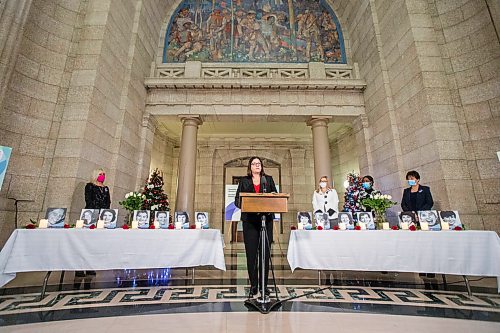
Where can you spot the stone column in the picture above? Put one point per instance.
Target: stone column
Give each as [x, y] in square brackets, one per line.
[187, 165]
[321, 148]
[13, 15]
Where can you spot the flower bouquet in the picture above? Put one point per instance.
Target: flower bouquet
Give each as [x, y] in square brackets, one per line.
[133, 201]
[379, 203]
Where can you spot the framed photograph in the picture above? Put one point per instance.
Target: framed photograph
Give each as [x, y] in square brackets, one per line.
[321, 220]
[202, 217]
[407, 217]
[109, 216]
[431, 217]
[55, 217]
[346, 217]
[142, 218]
[367, 219]
[451, 216]
[182, 217]
[162, 217]
[89, 217]
[305, 219]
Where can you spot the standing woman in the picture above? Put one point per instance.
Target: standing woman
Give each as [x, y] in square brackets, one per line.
[96, 197]
[256, 181]
[416, 197]
[367, 184]
[325, 199]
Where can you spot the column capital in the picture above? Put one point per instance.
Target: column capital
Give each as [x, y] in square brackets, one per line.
[316, 121]
[193, 120]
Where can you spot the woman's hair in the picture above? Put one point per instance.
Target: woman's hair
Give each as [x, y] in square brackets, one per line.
[349, 216]
[185, 214]
[95, 174]
[414, 174]
[141, 212]
[364, 214]
[200, 213]
[108, 210]
[410, 214]
[88, 211]
[249, 168]
[161, 212]
[304, 214]
[447, 213]
[370, 178]
[319, 187]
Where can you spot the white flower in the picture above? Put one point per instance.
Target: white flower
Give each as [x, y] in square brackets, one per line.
[127, 195]
[143, 196]
[154, 207]
[389, 197]
[150, 186]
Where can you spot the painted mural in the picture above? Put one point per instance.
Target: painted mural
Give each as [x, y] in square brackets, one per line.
[254, 31]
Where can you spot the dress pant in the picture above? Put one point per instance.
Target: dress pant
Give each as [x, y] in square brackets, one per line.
[251, 234]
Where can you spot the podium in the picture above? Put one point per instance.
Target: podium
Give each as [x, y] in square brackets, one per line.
[264, 203]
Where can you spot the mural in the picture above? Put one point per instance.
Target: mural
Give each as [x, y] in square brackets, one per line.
[254, 31]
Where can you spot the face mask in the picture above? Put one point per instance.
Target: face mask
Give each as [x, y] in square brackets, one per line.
[412, 182]
[322, 184]
[367, 186]
[101, 178]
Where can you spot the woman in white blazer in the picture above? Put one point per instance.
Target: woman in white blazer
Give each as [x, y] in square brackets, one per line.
[325, 199]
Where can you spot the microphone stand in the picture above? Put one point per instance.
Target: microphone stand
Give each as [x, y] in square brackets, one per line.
[16, 201]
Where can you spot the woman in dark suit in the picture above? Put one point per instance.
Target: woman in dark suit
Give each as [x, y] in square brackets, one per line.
[416, 197]
[256, 181]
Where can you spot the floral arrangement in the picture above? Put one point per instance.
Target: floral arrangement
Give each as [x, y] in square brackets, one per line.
[133, 201]
[379, 203]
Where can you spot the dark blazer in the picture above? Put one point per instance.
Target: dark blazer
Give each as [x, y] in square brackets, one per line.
[424, 199]
[246, 186]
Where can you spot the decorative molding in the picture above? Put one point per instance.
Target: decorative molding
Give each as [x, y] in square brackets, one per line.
[310, 76]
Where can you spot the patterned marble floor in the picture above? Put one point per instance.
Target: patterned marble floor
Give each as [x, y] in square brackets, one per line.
[142, 293]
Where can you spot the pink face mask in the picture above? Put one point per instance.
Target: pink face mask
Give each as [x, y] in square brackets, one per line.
[101, 178]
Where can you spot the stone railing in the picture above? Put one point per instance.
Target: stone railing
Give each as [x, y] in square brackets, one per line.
[195, 74]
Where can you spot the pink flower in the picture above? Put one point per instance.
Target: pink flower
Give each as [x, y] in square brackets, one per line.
[125, 227]
[319, 227]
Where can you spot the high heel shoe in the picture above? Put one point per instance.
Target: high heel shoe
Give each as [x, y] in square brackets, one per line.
[253, 292]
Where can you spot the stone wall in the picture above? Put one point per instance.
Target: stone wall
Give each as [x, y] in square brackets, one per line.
[470, 52]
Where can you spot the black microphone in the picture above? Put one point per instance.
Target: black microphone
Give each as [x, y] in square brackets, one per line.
[263, 181]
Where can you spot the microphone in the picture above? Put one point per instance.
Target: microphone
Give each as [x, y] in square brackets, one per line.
[263, 181]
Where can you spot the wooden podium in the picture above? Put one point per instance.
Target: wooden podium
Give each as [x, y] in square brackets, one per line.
[264, 203]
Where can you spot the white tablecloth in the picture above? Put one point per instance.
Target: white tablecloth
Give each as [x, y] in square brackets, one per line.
[102, 249]
[447, 252]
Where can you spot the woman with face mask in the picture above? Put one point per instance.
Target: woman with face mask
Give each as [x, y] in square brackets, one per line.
[367, 185]
[96, 197]
[416, 197]
[325, 199]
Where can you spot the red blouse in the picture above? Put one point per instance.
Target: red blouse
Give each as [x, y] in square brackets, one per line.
[256, 188]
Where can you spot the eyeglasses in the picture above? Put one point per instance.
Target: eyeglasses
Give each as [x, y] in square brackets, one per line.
[256, 164]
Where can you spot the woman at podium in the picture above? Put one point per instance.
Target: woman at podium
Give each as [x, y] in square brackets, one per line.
[256, 181]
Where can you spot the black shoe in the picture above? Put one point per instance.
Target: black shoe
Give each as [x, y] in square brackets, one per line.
[253, 292]
[267, 292]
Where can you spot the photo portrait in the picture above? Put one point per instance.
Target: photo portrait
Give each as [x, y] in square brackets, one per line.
[305, 219]
[55, 217]
[408, 217]
[346, 217]
[322, 221]
[162, 217]
[202, 217]
[142, 218]
[89, 217]
[109, 216]
[451, 216]
[183, 218]
[431, 217]
[367, 219]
